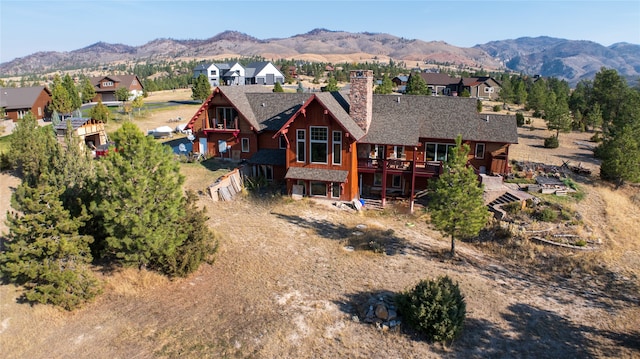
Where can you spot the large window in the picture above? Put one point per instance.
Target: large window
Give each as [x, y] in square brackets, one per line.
[337, 147]
[479, 150]
[318, 188]
[398, 152]
[319, 141]
[227, 118]
[437, 151]
[300, 145]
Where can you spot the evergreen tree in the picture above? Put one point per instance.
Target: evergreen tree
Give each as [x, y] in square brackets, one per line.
[386, 87]
[621, 156]
[100, 112]
[30, 148]
[519, 92]
[201, 88]
[44, 252]
[277, 87]
[60, 98]
[609, 90]
[74, 97]
[456, 203]
[332, 85]
[139, 201]
[88, 90]
[506, 90]
[556, 112]
[593, 117]
[300, 88]
[200, 244]
[417, 86]
[537, 95]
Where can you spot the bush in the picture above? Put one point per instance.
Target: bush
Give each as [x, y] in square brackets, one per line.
[479, 106]
[497, 108]
[519, 119]
[435, 308]
[551, 142]
[597, 137]
[547, 215]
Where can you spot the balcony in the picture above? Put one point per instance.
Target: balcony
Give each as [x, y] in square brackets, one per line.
[422, 168]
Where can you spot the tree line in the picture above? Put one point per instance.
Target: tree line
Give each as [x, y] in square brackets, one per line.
[73, 214]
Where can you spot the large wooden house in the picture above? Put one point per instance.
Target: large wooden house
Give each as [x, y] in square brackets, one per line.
[106, 87]
[20, 100]
[345, 146]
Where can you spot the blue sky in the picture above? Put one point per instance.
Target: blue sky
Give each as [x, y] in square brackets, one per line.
[28, 26]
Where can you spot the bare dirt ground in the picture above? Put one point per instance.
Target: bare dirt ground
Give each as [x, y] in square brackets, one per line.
[283, 286]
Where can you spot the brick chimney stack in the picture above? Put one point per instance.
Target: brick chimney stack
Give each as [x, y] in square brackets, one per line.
[361, 96]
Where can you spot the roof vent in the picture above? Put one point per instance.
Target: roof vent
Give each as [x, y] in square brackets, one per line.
[264, 104]
[398, 99]
[486, 118]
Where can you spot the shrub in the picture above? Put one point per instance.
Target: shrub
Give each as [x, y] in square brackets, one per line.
[519, 119]
[551, 142]
[596, 137]
[547, 215]
[435, 308]
[497, 108]
[479, 106]
[537, 114]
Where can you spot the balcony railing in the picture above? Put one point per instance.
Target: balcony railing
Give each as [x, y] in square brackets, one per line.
[422, 167]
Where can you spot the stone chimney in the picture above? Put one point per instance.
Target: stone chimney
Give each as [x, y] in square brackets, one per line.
[361, 96]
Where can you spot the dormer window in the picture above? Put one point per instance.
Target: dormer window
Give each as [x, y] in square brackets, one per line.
[107, 83]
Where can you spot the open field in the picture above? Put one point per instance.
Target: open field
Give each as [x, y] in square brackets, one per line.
[283, 286]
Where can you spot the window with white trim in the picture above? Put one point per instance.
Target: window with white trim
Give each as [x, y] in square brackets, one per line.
[318, 188]
[480, 150]
[337, 147]
[437, 151]
[319, 143]
[488, 89]
[300, 145]
[245, 144]
[398, 152]
[107, 83]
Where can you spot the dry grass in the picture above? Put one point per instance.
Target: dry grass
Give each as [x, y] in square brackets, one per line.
[283, 286]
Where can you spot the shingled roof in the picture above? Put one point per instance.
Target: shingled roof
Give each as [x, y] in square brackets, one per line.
[316, 174]
[20, 97]
[403, 120]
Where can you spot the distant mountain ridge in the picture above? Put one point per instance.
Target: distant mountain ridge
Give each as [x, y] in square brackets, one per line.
[566, 59]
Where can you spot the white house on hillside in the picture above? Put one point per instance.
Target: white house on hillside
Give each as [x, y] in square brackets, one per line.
[263, 73]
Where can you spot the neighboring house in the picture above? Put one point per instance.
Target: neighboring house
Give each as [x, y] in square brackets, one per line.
[260, 73]
[400, 80]
[480, 87]
[211, 71]
[90, 132]
[106, 87]
[17, 101]
[439, 83]
[345, 146]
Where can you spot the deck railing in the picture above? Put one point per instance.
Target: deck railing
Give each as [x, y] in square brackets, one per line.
[428, 167]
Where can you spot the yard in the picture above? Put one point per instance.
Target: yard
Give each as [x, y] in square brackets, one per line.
[283, 285]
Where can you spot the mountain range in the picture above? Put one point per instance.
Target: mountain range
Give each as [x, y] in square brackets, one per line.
[546, 56]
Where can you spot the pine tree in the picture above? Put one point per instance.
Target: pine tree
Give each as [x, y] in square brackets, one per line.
[60, 98]
[74, 97]
[139, 201]
[332, 85]
[100, 112]
[201, 88]
[30, 148]
[277, 87]
[44, 252]
[417, 86]
[456, 203]
[88, 91]
[386, 87]
[200, 244]
[556, 112]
